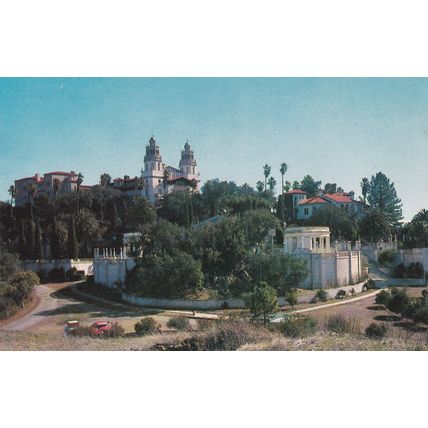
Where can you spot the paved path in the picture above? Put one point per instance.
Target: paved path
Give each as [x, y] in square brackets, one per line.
[47, 302]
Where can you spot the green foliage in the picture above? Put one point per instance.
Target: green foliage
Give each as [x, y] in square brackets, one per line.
[369, 285]
[310, 186]
[321, 295]
[340, 223]
[387, 257]
[421, 314]
[256, 225]
[72, 244]
[140, 213]
[298, 326]
[399, 301]
[383, 297]
[291, 299]
[261, 301]
[382, 196]
[8, 264]
[376, 331]
[374, 226]
[340, 294]
[165, 275]
[179, 323]
[147, 326]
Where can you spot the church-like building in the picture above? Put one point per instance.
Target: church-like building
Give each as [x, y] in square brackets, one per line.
[158, 179]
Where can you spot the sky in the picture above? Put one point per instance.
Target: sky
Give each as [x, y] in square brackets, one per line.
[335, 129]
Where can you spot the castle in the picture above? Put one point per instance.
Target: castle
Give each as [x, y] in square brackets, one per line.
[157, 178]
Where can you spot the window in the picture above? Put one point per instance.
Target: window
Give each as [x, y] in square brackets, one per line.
[306, 211]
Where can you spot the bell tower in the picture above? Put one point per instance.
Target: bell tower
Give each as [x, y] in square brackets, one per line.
[153, 171]
[188, 162]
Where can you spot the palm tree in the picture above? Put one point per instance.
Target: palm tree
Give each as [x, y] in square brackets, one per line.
[422, 215]
[12, 193]
[365, 186]
[79, 183]
[105, 179]
[283, 170]
[266, 172]
[271, 183]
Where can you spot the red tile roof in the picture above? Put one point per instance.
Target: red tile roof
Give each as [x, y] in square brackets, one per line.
[295, 192]
[313, 201]
[68, 174]
[338, 197]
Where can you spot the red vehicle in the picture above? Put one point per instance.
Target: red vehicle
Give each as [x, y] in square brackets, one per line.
[98, 328]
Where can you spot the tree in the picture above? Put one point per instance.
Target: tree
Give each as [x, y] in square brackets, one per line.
[296, 185]
[79, 184]
[88, 230]
[422, 215]
[340, 223]
[330, 188]
[365, 187]
[374, 226]
[105, 179]
[271, 183]
[32, 191]
[38, 247]
[291, 299]
[140, 214]
[260, 186]
[382, 196]
[261, 301]
[287, 186]
[72, 243]
[266, 171]
[283, 170]
[12, 193]
[310, 186]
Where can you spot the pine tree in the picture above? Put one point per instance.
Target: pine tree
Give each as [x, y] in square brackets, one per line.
[72, 244]
[382, 196]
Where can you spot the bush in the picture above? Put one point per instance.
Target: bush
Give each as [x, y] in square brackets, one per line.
[376, 331]
[57, 275]
[22, 286]
[340, 324]
[340, 294]
[415, 270]
[147, 326]
[179, 323]
[370, 285]
[43, 276]
[298, 326]
[398, 302]
[322, 295]
[383, 298]
[421, 315]
[204, 324]
[116, 330]
[75, 275]
[399, 271]
[387, 257]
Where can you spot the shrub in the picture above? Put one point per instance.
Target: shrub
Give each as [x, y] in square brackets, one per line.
[322, 295]
[147, 326]
[340, 324]
[298, 326]
[387, 257]
[421, 315]
[340, 294]
[370, 285]
[57, 275]
[399, 271]
[22, 286]
[179, 323]
[415, 270]
[383, 298]
[43, 276]
[204, 324]
[398, 302]
[376, 331]
[116, 330]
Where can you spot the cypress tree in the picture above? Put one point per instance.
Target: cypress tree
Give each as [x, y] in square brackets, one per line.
[22, 241]
[38, 242]
[72, 244]
[55, 245]
[30, 239]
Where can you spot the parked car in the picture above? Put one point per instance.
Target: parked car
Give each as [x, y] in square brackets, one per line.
[98, 328]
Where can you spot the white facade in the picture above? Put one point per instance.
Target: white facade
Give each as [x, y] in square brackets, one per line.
[110, 269]
[327, 266]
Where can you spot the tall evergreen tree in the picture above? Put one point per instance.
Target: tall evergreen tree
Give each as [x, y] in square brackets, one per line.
[30, 238]
[382, 196]
[38, 247]
[55, 241]
[72, 244]
[266, 171]
[22, 241]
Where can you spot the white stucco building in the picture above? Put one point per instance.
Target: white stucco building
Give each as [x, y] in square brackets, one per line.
[328, 266]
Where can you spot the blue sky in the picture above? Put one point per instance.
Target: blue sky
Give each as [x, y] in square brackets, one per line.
[337, 130]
